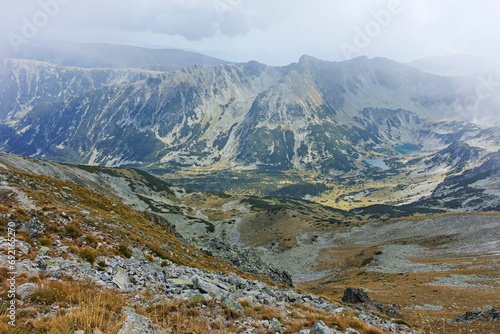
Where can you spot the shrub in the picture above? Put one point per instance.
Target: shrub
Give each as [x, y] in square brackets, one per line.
[73, 230]
[91, 240]
[123, 249]
[45, 242]
[88, 255]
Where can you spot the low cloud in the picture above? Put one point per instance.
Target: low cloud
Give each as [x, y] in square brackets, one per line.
[201, 19]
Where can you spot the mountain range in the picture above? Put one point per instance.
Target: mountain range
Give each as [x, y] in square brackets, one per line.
[338, 122]
[312, 115]
[365, 172]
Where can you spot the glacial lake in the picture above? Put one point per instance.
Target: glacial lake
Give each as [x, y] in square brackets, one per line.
[408, 149]
[380, 163]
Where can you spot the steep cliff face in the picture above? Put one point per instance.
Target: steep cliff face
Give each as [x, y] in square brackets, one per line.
[312, 115]
[476, 189]
[26, 83]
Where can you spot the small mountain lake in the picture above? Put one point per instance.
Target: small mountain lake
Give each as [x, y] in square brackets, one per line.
[408, 149]
[380, 163]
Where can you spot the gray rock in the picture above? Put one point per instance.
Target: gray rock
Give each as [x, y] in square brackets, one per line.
[121, 279]
[205, 286]
[235, 280]
[353, 331]
[233, 304]
[489, 313]
[53, 271]
[244, 259]
[292, 296]
[44, 250]
[33, 227]
[223, 286]
[138, 255]
[25, 290]
[177, 282]
[275, 326]
[105, 277]
[138, 324]
[355, 296]
[320, 328]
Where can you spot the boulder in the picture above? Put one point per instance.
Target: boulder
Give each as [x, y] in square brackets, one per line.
[138, 324]
[488, 313]
[205, 286]
[25, 290]
[121, 279]
[233, 304]
[353, 331]
[235, 280]
[138, 255]
[320, 328]
[275, 326]
[355, 296]
[33, 227]
[53, 271]
[292, 296]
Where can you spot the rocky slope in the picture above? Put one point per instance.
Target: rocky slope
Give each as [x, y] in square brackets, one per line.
[26, 83]
[144, 192]
[69, 231]
[86, 263]
[476, 189]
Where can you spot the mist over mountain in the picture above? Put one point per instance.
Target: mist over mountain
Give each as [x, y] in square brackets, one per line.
[100, 55]
[454, 65]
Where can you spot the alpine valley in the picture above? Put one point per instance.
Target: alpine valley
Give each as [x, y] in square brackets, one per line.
[363, 173]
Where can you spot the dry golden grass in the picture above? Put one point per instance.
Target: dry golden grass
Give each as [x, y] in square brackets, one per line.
[186, 316]
[412, 289]
[81, 306]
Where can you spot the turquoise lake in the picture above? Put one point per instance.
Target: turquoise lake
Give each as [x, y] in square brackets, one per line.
[408, 149]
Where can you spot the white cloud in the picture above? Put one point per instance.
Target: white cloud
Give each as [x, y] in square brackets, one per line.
[274, 32]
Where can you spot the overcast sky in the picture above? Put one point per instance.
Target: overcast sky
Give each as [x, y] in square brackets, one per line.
[275, 32]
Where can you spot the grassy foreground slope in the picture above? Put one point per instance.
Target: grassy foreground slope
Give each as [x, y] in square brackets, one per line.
[66, 233]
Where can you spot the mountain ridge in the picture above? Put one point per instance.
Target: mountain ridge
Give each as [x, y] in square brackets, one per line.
[103, 55]
[219, 113]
